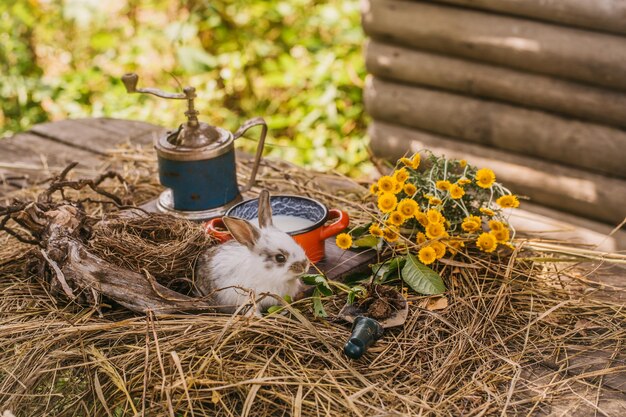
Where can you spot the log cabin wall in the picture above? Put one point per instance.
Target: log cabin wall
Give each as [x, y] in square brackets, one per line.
[534, 89]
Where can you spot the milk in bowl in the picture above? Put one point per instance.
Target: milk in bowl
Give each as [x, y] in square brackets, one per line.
[287, 223]
[307, 221]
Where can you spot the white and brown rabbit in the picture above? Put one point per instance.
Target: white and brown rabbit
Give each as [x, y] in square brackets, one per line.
[258, 261]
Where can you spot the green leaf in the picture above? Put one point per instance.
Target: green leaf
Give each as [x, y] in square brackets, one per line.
[274, 309]
[318, 307]
[421, 278]
[394, 267]
[360, 231]
[312, 279]
[324, 289]
[358, 291]
[366, 242]
[388, 269]
[320, 282]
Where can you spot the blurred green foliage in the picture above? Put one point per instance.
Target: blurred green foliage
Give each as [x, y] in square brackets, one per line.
[296, 62]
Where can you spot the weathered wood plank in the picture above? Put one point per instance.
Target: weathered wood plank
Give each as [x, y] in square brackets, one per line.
[602, 15]
[96, 135]
[472, 78]
[585, 194]
[589, 146]
[136, 131]
[591, 57]
[338, 264]
[581, 360]
[35, 158]
[573, 397]
[537, 221]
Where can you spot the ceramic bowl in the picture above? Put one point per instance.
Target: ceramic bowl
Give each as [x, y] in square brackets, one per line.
[311, 237]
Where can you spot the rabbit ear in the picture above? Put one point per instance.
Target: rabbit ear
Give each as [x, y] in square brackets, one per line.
[242, 230]
[265, 209]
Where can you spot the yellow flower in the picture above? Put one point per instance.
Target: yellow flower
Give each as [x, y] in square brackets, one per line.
[487, 211]
[508, 201]
[454, 245]
[440, 249]
[421, 238]
[344, 241]
[486, 242]
[375, 230]
[387, 202]
[434, 216]
[462, 163]
[401, 175]
[410, 189]
[434, 201]
[386, 184]
[374, 188]
[408, 207]
[464, 181]
[427, 255]
[471, 224]
[421, 218]
[501, 235]
[415, 161]
[398, 187]
[485, 178]
[396, 218]
[407, 162]
[456, 192]
[442, 185]
[434, 230]
[496, 225]
[390, 234]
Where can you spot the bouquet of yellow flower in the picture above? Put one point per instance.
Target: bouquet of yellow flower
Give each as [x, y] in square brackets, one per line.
[438, 208]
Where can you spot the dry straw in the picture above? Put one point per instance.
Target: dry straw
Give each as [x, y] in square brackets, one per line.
[508, 343]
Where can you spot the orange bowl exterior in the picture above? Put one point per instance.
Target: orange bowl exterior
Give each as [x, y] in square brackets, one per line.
[312, 244]
[312, 241]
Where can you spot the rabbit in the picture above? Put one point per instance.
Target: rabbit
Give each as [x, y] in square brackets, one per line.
[258, 261]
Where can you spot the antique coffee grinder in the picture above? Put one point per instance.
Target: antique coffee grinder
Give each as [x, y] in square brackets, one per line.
[197, 161]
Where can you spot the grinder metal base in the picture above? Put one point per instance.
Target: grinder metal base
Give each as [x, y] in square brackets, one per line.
[165, 204]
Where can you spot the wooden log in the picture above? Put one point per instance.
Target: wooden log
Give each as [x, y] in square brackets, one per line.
[489, 81]
[591, 57]
[529, 132]
[602, 15]
[585, 194]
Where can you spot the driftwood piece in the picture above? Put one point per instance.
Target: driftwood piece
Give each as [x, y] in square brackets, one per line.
[590, 195]
[603, 15]
[472, 78]
[139, 293]
[591, 57]
[61, 230]
[589, 146]
[81, 273]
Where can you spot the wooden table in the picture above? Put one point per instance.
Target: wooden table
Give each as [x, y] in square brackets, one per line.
[47, 148]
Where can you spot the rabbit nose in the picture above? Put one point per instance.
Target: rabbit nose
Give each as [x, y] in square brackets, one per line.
[300, 267]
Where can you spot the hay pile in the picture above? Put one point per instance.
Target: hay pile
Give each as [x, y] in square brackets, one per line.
[506, 344]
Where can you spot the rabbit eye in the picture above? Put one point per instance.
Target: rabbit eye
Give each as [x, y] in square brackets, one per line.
[280, 258]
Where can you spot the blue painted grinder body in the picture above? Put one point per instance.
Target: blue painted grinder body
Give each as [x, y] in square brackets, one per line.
[201, 184]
